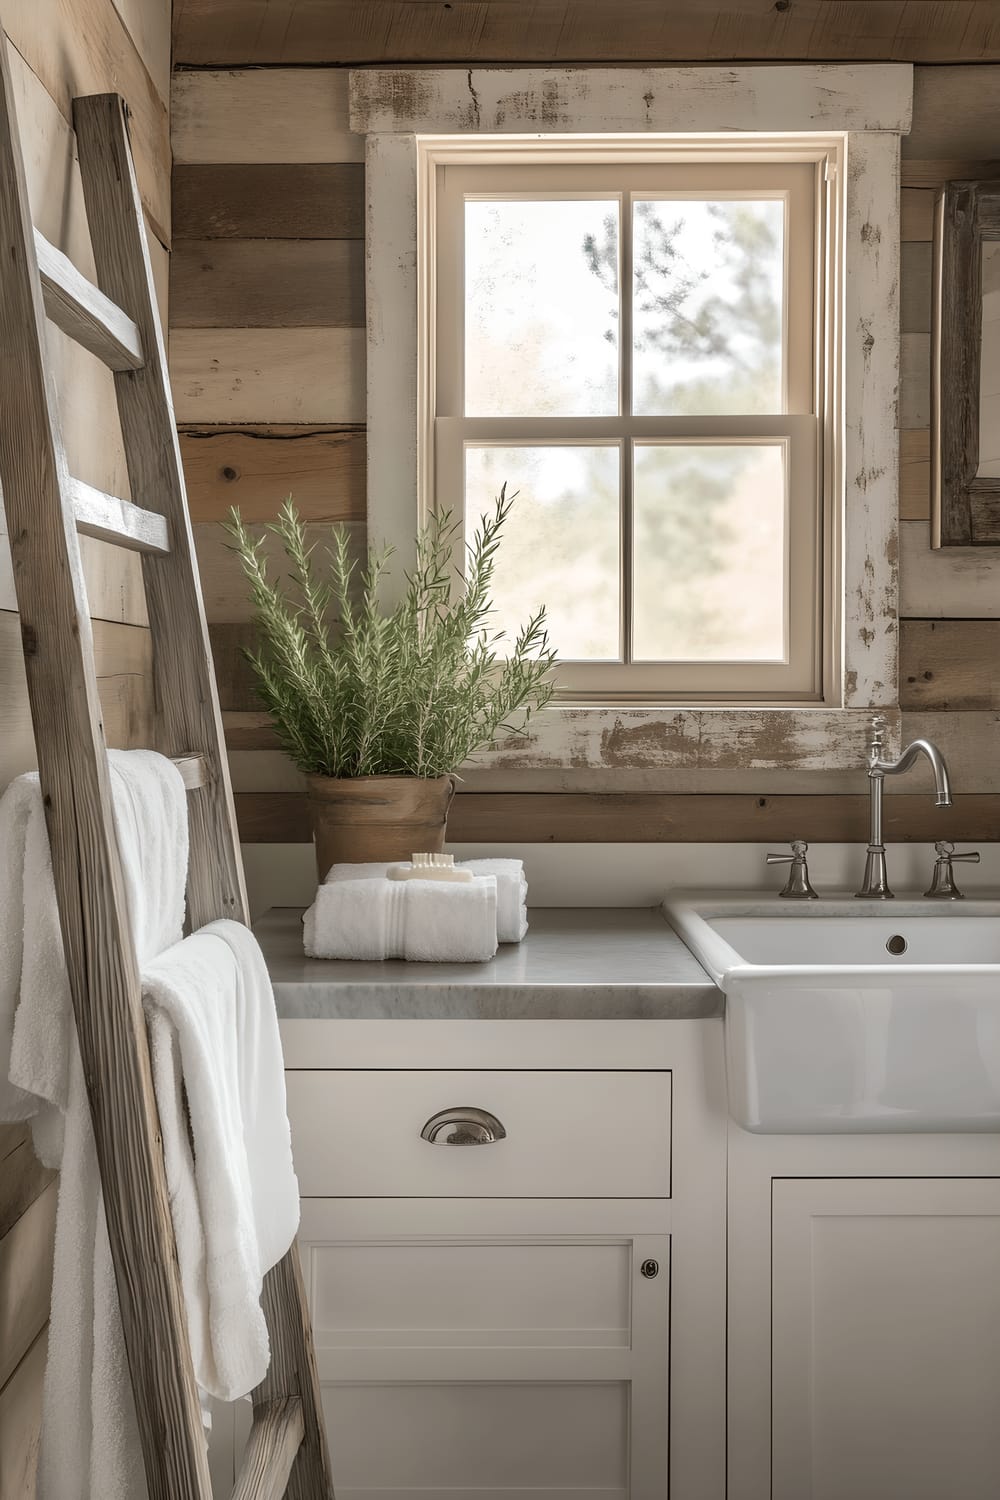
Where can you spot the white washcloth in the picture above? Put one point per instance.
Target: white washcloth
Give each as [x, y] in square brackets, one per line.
[512, 888]
[425, 920]
[213, 1030]
[89, 1443]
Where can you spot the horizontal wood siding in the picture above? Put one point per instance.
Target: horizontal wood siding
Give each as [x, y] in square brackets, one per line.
[267, 283]
[322, 468]
[649, 818]
[266, 166]
[304, 200]
[233, 32]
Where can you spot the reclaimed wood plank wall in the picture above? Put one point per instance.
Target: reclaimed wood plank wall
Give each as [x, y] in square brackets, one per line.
[57, 51]
[268, 361]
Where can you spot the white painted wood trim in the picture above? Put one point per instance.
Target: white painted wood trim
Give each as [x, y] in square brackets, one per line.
[870, 467]
[555, 100]
[391, 301]
[392, 105]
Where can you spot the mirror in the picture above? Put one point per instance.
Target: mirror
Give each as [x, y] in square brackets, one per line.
[965, 367]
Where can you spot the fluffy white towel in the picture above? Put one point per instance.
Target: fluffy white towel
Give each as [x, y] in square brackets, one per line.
[214, 1030]
[512, 888]
[89, 1443]
[512, 894]
[424, 920]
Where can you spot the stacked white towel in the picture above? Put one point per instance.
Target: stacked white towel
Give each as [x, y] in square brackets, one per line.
[216, 1063]
[423, 920]
[512, 888]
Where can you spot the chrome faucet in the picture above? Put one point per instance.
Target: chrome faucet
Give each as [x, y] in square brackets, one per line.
[875, 885]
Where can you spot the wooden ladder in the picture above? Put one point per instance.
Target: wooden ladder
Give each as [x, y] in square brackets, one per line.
[46, 508]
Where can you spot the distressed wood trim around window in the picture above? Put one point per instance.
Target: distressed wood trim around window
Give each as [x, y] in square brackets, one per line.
[871, 106]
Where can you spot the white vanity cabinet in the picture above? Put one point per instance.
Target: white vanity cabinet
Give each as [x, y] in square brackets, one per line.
[538, 1315]
[864, 1318]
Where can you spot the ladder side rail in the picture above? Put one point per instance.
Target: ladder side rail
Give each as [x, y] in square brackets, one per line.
[188, 714]
[293, 1372]
[104, 979]
[190, 721]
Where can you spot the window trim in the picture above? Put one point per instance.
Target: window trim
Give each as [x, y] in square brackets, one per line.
[870, 108]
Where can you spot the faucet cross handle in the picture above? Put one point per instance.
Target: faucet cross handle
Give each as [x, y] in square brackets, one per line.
[797, 887]
[943, 887]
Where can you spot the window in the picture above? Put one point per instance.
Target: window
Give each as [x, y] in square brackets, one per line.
[637, 347]
[843, 124]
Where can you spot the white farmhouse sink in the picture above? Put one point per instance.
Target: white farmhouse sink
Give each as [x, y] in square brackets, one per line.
[845, 1015]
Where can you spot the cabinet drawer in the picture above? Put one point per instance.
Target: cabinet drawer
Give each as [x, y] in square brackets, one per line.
[566, 1135]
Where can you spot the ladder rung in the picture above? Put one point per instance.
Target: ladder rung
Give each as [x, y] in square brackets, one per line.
[194, 772]
[114, 520]
[80, 309]
[275, 1437]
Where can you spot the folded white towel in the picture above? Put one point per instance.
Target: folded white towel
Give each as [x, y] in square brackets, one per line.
[89, 1443]
[512, 888]
[512, 894]
[424, 920]
[235, 1203]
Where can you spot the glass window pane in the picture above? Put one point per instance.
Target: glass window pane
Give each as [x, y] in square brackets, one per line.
[709, 552]
[561, 544]
[708, 280]
[541, 308]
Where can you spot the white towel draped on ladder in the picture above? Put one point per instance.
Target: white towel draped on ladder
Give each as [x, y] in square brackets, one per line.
[216, 1065]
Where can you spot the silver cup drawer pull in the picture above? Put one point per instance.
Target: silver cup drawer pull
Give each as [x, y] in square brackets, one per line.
[463, 1126]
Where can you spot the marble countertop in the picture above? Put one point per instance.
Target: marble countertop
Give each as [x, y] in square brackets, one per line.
[584, 963]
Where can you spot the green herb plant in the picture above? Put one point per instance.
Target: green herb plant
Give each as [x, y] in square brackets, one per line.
[411, 691]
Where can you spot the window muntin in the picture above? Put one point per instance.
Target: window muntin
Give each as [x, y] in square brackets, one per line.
[649, 390]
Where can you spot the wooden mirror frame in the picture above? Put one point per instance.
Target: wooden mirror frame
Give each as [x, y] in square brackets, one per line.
[965, 508]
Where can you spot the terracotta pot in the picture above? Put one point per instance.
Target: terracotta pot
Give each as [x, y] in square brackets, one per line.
[377, 817]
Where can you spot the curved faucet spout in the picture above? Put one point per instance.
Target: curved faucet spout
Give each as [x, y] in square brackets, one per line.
[876, 884]
[942, 783]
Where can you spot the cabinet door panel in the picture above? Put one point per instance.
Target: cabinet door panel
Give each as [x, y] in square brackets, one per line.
[516, 1335]
[568, 1135]
[505, 1438]
[886, 1339]
[471, 1293]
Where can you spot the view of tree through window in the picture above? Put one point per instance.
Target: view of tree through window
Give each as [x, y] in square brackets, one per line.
[543, 328]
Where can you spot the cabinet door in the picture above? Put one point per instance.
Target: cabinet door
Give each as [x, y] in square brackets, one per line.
[886, 1339]
[502, 1352]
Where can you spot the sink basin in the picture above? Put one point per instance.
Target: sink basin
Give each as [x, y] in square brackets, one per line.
[844, 1015]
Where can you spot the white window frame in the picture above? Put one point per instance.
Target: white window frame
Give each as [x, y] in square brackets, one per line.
[813, 595]
[406, 114]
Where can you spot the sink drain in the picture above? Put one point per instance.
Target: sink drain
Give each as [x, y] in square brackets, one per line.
[896, 945]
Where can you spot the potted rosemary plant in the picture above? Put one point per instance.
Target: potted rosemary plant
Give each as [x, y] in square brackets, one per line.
[379, 707]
